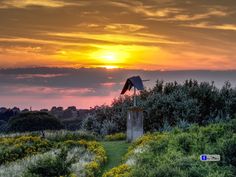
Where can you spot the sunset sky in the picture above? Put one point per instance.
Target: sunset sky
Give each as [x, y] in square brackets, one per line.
[132, 35]
[140, 34]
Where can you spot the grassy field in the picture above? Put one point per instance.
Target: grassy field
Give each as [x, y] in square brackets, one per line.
[115, 151]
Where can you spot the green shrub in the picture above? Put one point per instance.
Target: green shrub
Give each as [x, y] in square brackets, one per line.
[184, 142]
[120, 171]
[12, 149]
[63, 135]
[176, 153]
[49, 167]
[116, 136]
[34, 121]
[229, 151]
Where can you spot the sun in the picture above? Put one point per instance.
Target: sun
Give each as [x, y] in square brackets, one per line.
[109, 57]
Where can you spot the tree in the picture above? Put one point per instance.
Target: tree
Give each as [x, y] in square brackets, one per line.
[34, 121]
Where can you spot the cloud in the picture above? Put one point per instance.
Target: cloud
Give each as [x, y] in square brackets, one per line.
[206, 25]
[118, 27]
[210, 13]
[173, 11]
[153, 33]
[118, 38]
[165, 12]
[26, 3]
[47, 87]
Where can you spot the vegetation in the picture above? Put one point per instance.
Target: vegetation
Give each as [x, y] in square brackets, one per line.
[12, 149]
[55, 155]
[115, 151]
[167, 105]
[115, 137]
[48, 167]
[177, 153]
[183, 121]
[121, 171]
[34, 121]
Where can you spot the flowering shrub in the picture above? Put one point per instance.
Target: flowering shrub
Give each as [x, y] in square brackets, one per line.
[63, 135]
[81, 158]
[12, 149]
[120, 171]
[19, 167]
[116, 136]
[93, 168]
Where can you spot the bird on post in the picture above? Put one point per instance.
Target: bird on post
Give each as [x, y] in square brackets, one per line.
[135, 82]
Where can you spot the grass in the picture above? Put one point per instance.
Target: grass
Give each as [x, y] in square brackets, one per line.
[115, 151]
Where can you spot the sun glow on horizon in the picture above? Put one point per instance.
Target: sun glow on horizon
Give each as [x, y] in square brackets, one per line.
[110, 67]
[110, 56]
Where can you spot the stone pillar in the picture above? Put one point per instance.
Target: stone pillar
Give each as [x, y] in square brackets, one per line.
[134, 123]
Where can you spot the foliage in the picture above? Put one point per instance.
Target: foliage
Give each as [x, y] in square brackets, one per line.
[93, 168]
[34, 121]
[19, 167]
[108, 127]
[48, 167]
[71, 156]
[3, 126]
[115, 137]
[63, 135]
[177, 153]
[108, 120]
[120, 171]
[168, 105]
[12, 149]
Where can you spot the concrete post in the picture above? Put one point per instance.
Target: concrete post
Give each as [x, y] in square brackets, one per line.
[134, 123]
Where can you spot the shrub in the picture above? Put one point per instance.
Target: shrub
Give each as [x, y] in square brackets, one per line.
[64, 135]
[68, 158]
[229, 151]
[34, 121]
[12, 149]
[184, 142]
[120, 171]
[19, 167]
[48, 167]
[91, 123]
[116, 136]
[176, 153]
[167, 105]
[3, 126]
[108, 127]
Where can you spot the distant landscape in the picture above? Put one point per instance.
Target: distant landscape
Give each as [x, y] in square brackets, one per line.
[181, 122]
[65, 87]
[117, 88]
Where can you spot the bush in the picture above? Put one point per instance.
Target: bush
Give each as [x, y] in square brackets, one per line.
[34, 121]
[108, 127]
[176, 153]
[120, 171]
[184, 142]
[12, 149]
[64, 135]
[91, 123]
[116, 136]
[3, 126]
[35, 157]
[48, 167]
[229, 151]
[167, 105]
